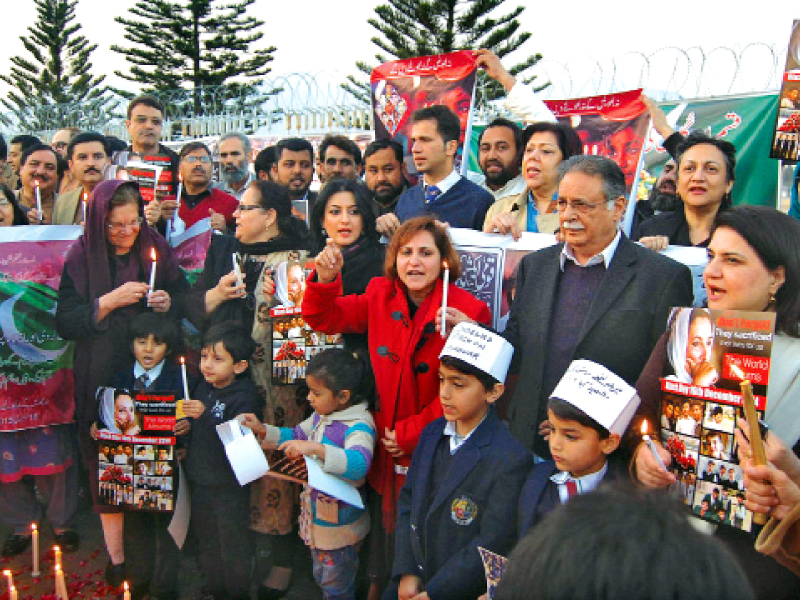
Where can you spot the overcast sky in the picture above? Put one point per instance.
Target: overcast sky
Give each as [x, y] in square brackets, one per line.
[301, 30]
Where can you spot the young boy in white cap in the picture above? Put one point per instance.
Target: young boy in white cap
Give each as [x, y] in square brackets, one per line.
[462, 487]
[589, 411]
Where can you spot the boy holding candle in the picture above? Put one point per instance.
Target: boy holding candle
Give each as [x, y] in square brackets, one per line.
[220, 506]
[462, 487]
[589, 411]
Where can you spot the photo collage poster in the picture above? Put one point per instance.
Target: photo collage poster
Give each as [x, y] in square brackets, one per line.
[293, 342]
[786, 139]
[702, 400]
[136, 450]
[402, 86]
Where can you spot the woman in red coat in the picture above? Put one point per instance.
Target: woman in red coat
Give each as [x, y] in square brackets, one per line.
[401, 314]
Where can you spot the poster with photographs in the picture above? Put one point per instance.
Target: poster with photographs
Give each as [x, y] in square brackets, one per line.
[400, 87]
[136, 450]
[293, 342]
[709, 352]
[786, 139]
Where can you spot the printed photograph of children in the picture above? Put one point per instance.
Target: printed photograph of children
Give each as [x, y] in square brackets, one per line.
[144, 452]
[684, 450]
[720, 417]
[145, 467]
[165, 453]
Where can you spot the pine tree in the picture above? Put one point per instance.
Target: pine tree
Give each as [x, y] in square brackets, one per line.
[191, 49]
[422, 27]
[48, 89]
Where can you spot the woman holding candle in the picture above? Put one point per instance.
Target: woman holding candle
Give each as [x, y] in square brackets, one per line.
[103, 287]
[754, 264]
[266, 236]
[401, 314]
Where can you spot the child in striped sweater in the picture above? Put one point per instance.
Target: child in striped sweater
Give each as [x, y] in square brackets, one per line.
[341, 433]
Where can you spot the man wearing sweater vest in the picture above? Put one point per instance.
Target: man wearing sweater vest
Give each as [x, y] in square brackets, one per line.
[199, 200]
[453, 199]
[598, 296]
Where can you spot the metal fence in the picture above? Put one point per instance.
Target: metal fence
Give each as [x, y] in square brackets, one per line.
[315, 103]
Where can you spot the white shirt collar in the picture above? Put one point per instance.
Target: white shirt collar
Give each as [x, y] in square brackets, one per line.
[152, 374]
[456, 441]
[603, 257]
[585, 484]
[446, 183]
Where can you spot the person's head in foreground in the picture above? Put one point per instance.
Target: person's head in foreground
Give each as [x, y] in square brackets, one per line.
[621, 544]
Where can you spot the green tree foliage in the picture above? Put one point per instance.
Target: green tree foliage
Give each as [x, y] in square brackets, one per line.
[46, 87]
[412, 28]
[190, 51]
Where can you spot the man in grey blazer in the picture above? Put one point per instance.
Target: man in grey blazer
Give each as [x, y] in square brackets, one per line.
[598, 296]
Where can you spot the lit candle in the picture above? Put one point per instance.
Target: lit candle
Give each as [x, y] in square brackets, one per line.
[152, 274]
[180, 191]
[756, 443]
[85, 197]
[38, 198]
[127, 594]
[9, 580]
[57, 552]
[237, 269]
[35, 547]
[14, 595]
[445, 285]
[652, 446]
[61, 584]
[185, 382]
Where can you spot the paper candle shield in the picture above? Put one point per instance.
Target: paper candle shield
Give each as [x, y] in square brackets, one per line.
[599, 393]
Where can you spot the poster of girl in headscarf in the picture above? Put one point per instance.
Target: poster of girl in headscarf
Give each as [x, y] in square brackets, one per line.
[613, 125]
[786, 139]
[709, 353]
[402, 86]
[293, 342]
[136, 449]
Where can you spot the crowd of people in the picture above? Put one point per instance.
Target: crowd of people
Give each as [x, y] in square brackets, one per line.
[457, 437]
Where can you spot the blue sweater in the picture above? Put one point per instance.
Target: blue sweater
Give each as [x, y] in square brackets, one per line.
[463, 205]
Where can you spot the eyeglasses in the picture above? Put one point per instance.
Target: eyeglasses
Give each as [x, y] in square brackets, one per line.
[193, 159]
[246, 207]
[578, 206]
[119, 227]
[60, 145]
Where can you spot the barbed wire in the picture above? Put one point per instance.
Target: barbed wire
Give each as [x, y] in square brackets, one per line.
[313, 103]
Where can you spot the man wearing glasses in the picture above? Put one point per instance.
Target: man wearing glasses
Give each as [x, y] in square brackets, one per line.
[198, 200]
[597, 296]
[339, 157]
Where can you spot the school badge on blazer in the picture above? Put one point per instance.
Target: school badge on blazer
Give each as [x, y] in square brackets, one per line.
[463, 510]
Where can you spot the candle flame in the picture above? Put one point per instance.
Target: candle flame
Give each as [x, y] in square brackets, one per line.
[644, 427]
[737, 371]
[85, 196]
[183, 361]
[153, 254]
[7, 572]
[58, 567]
[125, 585]
[35, 183]
[180, 177]
[445, 265]
[33, 526]
[56, 549]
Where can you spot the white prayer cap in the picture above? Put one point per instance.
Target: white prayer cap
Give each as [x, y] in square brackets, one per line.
[599, 393]
[480, 348]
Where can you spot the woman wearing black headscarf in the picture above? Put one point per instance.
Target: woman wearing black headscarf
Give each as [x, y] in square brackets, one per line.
[103, 287]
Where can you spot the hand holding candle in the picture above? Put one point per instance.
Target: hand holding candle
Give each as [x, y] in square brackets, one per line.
[646, 439]
[237, 269]
[445, 286]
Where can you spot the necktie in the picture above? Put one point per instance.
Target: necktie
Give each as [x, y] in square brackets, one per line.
[431, 193]
[142, 382]
[572, 488]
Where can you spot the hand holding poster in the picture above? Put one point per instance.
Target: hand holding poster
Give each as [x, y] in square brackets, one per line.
[400, 87]
[701, 401]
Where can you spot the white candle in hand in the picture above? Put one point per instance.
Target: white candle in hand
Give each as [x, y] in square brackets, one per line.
[85, 197]
[35, 548]
[652, 446]
[237, 269]
[185, 382]
[127, 594]
[152, 274]
[9, 580]
[445, 286]
[38, 198]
